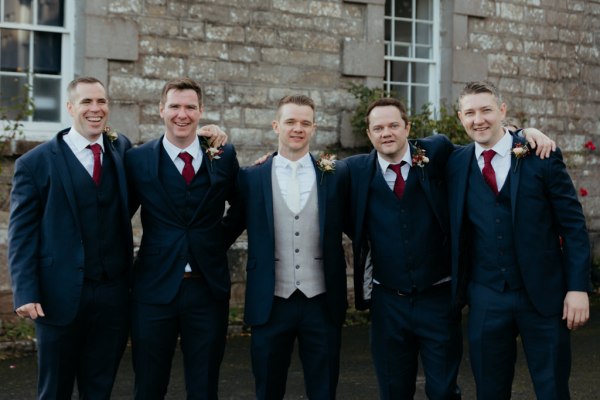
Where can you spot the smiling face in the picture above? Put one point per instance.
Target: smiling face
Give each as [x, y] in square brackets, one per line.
[388, 132]
[294, 128]
[482, 116]
[88, 106]
[181, 112]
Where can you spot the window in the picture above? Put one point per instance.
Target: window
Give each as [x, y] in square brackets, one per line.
[411, 51]
[35, 44]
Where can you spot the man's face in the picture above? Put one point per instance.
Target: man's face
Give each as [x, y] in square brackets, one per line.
[294, 128]
[482, 117]
[88, 106]
[181, 113]
[388, 133]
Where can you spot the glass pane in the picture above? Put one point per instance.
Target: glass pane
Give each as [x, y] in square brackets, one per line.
[403, 32]
[50, 12]
[12, 95]
[401, 51]
[46, 58]
[400, 92]
[424, 10]
[423, 52]
[403, 8]
[14, 55]
[420, 73]
[46, 95]
[420, 97]
[388, 8]
[387, 25]
[18, 11]
[399, 72]
[423, 33]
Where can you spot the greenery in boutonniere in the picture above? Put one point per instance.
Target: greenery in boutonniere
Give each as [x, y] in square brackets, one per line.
[213, 153]
[326, 164]
[110, 133]
[520, 151]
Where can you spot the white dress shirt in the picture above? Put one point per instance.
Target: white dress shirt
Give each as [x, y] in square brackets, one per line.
[501, 161]
[78, 144]
[305, 173]
[389, 175]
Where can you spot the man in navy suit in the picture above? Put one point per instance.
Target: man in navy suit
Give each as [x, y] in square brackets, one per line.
[405, 231]
[181, 279]
[293, 207]
[508, 211]
[70, 249]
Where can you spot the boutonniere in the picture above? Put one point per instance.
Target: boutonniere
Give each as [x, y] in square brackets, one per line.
[110, 133]
[326, 164]
[519, 151]
[213, 153]
[419, 158]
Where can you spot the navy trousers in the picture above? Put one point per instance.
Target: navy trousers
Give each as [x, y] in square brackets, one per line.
[319, 341]
[90, 348]
[406, 326]
[495, 321]
[200, 321]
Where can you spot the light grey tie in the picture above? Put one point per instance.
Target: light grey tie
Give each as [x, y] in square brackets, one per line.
[293, 189]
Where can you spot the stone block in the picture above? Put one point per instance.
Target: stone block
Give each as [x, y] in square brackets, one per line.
[348, 138]
[141, 89]
[474, 8]
[96, 67]
[290, 57]
[155, 26]
[469, 66]
[374, 23]
[100, 38]
[209, 50]
[221, 14]
[296, 6]
[243, 53]
[229, 71]
[380, 2]
[125, 6]
[202, 70]
[225, 33]
[247, 95]
[264, 36]
[192, 30]
[176, 47]
[162, 67]
[125, 118]
[98, 7]
[258, 117]
[324, 9]
[362, 58]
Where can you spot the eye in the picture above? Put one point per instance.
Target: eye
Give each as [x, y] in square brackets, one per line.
[377, 129]
[395, 126]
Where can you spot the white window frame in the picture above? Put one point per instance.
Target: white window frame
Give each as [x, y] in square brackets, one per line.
[42, 131]
[433, 63]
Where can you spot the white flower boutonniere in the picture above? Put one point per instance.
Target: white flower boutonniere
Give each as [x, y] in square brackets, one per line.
[326, 164]
[213, 153]
[110, 133]
[520, 151]
[419, 158]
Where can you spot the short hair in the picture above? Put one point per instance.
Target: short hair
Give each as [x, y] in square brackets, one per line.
[387, 101]
[83, 79]
[183, 83]
[297, 99]
[477, 87]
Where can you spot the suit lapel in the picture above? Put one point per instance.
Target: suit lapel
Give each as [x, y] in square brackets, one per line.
[64, 174]
[515, 176]
[322, 183]
[267, 187]
[365, 176]
[463, 166]
[120, 173]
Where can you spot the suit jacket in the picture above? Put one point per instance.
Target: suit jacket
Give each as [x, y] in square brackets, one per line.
[167, 235]
[45, 247]
[362, 170]
[544, 206]
[255, 212]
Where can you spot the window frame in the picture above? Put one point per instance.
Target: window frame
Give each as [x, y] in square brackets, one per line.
[433, 63]
[42, 131]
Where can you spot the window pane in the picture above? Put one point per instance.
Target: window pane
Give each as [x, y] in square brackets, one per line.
[403, 8]
[420, 73]
[401, 51]
[46, 94]
[18, 11]
[12, 94]
[423, 52]
[400, 92]
[46, 59]
[420, 97]
[50, 12]
[423, 33]
[14, 55]
[403, 32]
[424, 10]
[399, 72]
[387, 24]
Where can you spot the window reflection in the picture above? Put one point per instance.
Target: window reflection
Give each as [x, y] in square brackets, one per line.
[14, 53]
[47, 49]
[50, 12]
[46, 95]
[18, 11]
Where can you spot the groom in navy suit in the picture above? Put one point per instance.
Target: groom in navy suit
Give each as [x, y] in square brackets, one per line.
[181, 279]
[70, 249]
[293, 207]
[508, 211]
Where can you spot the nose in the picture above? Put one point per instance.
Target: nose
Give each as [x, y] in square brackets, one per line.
[478, 118]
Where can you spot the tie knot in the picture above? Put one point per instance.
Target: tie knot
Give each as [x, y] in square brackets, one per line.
[396, 167]
[186, 157]
[488, 155]
[96, 148]
[294, 166]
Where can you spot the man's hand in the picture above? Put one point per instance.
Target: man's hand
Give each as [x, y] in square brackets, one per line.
[576, 309]
[30, 310]
[262, 159]
[542, 143]
[216, 137]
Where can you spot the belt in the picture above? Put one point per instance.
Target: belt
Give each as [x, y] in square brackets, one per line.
[192, 275]
[430, 289]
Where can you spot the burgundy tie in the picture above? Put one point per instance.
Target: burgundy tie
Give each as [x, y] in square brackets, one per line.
[188, 169]
[97, 172]
[399, 184]
[488, 171]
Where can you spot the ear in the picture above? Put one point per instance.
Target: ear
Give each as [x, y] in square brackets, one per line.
[408, 129]
[275, 126]
[161, 108]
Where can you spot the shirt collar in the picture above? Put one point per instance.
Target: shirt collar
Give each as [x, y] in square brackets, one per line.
[282, 162]
[407, 158]
[81, 142]
[502, 148]
[174, 151]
